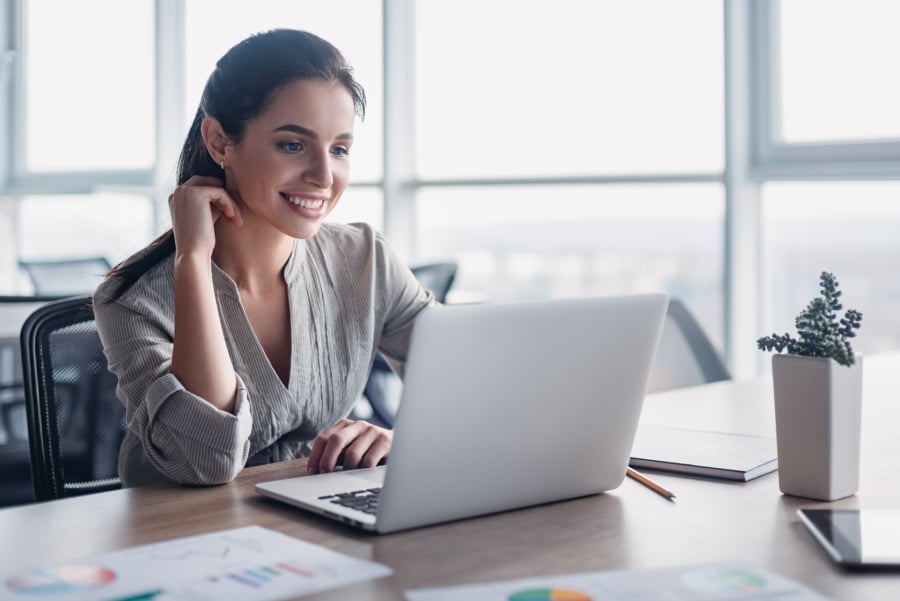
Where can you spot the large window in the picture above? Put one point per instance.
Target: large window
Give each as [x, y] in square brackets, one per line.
[540, 241]
[553, 149]
[839, 62]
[831, 153]
[75, 118]
[554, 123]
[847, 228]
[82, 147]
[86, 174]
[105, 224]
[568, 87]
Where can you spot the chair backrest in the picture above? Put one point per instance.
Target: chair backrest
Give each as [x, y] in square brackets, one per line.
[437, 277]
[383, 387]
[75, 421]
[66, 276]
[14, 310]
[685, 356]
[15, 462]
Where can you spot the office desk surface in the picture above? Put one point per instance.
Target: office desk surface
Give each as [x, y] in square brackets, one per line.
[630, 527]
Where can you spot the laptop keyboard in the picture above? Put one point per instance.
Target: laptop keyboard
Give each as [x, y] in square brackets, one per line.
[365, 500]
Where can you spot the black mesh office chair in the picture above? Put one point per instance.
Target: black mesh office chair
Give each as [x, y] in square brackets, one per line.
[75, 421]
[15, 463]
[383, 387]
[437, 277]
[686, 356]
[66, 276]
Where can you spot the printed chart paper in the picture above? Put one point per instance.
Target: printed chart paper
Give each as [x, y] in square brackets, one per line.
[717, 582]
[251, 564]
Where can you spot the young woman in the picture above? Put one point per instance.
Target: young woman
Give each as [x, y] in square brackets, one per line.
[245, 334]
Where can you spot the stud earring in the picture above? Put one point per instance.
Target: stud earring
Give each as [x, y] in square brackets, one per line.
[222, 165]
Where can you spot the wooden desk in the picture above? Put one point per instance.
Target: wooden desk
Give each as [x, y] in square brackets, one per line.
[630, 527]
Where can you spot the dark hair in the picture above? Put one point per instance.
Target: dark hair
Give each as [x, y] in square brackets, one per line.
[243, 83]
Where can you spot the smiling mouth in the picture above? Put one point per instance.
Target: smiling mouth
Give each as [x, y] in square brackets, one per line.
[305, 203]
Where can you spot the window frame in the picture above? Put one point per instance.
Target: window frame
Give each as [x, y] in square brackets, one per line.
[20, 180]
[777, 159]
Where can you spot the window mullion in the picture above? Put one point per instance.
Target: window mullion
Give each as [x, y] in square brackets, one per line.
[743, 121]
[399, 126]
[170, 67]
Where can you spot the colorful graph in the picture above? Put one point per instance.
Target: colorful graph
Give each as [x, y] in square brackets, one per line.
[258, 577]
[714, 580]
[60, 579]
[549, 594]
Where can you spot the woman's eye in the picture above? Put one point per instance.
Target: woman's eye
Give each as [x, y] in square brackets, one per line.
[292, 146]
[341, 151]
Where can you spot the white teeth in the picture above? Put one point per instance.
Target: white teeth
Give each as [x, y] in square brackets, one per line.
[305, 202]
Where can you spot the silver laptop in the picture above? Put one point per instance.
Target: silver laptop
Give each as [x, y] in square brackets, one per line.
[503, 406]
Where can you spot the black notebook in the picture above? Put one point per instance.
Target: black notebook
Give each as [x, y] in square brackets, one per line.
[723, 455]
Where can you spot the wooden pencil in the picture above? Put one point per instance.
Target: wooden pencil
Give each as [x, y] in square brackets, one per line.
[636, 475]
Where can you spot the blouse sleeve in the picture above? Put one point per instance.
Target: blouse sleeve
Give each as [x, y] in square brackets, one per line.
[184, 437]
[404, 298]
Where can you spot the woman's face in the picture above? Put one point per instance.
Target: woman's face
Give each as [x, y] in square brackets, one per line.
[293, 163]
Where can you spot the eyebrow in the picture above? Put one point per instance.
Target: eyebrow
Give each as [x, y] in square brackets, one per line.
[305, 131]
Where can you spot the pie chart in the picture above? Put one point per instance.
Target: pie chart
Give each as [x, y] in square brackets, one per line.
[549, 594]
[59, 580]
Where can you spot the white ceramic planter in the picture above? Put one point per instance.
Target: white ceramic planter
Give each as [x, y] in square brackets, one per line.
[818, 406]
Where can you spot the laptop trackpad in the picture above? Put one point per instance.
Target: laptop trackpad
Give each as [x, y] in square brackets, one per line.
[311, 487]
[372, 474]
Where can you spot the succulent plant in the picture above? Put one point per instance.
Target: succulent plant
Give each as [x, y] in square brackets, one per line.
[820, 332]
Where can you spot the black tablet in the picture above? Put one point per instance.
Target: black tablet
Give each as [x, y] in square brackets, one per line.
[857, 538]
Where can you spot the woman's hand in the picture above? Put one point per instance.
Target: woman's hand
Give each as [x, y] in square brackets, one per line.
[195, 207]
[351, 444]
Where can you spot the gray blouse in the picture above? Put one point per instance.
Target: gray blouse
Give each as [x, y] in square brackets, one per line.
[349, 296]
